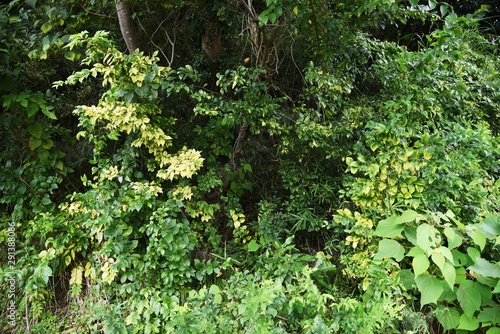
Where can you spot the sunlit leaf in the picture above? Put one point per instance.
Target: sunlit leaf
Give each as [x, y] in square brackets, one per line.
[430, 288]
[469, 298]
[390, 248]
[449, 317]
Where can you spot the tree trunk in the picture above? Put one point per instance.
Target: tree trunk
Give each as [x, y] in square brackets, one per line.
[127, 25]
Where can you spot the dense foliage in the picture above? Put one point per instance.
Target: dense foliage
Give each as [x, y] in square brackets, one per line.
[276, 166]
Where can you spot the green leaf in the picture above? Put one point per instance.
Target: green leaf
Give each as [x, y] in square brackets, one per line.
[430, 288]
[415, 251]
[469, 298]
[485, 268]
[388, 228]
[420, 264]
[272, 17]
[253, 246]
[460, 275]
[59, 165]
[406, 217]
[31, 3]
[407, 277]
[446, 253]
[497, 287]
[468, 323]
[490, 227]
[23, 102]
[46, 200]
[46, 27]
[490, 315]
[478, 239]
[443, 9]
[45, 273]
[214, 289]
[411, 234]
[438, 259]
[449, 274]
[473, 253]
[35, 143]
[36, 130]
[427, 237]
[493, 330]
[46, 111]
[390, 248]
[70, 55]
[31, 109]
[48, 144]
[454, 239]
[448, 317]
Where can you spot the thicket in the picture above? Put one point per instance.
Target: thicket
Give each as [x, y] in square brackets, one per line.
[271, 166]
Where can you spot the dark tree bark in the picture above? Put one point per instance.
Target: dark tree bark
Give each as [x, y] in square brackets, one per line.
[127, 25]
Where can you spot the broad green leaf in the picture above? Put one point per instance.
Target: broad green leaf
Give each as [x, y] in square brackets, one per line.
[31, 3]
[411, 234]
[460, 275]
[443, 9]
[48, 144]
[44, 273]
[490, 314]
[430, 288]
[473, 253]
[214, 289]
[59, 165]
[490, 227]
[32, 109]
[420, 264]
[427, 237]
[468, 323]
[390, 248]
[485, 268]
[70, 55]
[493, 330]
[253, 246]
[46, 200]
[48, 113]
[414, 251]
[438, 259]
[460, 259]
[35, 143]
[446, 253]
[479, 239]
[36, 130]
[388, 228]
[469, 298]
[46, 27]
[407, 277]
[449, 317]
[449, 274]
[497, 287]
[454, 239]
[272, 17]
[23, 102]
[406, 217]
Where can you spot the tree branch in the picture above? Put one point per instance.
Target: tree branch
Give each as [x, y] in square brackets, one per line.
[127, 25]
